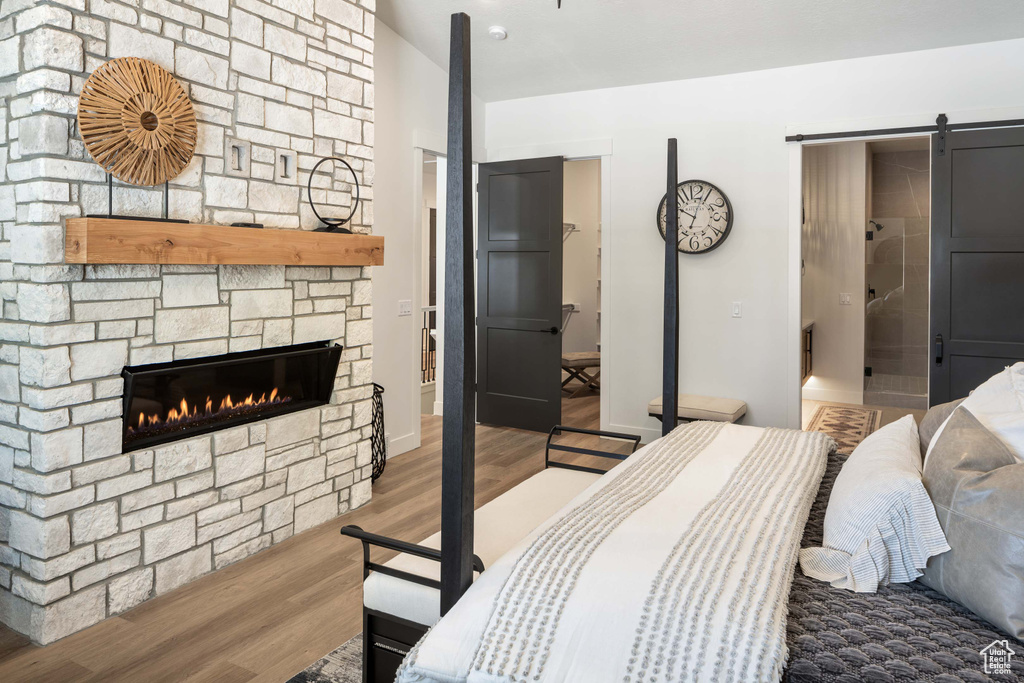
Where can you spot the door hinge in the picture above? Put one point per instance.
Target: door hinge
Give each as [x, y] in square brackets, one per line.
[867, 371]
[941, 123]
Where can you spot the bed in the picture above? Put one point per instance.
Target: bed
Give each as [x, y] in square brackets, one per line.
[678, 564]
[690, 544]
[902, 632]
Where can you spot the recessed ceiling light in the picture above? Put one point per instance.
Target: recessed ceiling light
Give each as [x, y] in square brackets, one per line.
[497, 32]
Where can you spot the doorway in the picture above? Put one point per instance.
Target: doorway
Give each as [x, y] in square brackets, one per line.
[580, 375]
[598, 153]
[428, 287]
[864, 278]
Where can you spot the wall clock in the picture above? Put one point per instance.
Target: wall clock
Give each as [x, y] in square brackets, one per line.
[136, 121]
[705, 216]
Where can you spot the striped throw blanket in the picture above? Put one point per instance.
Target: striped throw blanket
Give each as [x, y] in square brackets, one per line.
[675, 566]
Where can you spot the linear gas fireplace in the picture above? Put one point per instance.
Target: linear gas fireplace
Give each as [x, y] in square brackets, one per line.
[170, 401]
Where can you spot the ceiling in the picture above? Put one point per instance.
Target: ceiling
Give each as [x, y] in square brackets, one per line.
[604, 43]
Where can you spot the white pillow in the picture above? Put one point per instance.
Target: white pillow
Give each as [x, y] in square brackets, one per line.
[999, 406]
[880, 525]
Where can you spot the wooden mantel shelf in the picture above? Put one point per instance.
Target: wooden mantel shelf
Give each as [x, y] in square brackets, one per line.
[107, 240]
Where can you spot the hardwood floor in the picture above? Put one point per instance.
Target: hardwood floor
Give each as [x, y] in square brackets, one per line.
[272, 615]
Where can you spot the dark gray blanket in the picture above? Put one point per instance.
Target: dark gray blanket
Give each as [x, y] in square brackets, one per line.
[903, 632]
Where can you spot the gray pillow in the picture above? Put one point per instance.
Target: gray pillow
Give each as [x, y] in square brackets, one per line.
[932, 420]
[977, 486]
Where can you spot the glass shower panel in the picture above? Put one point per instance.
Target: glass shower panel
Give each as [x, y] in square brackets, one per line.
[885, 344]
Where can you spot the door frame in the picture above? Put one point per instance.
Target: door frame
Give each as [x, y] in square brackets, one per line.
[582, 150]
[792, 388]
[429, 142]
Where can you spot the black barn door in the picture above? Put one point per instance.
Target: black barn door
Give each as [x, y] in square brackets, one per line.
[520, 294]
[977, 299]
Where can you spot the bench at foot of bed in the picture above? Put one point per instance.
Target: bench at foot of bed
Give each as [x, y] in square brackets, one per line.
[402, 598]
[690, 407]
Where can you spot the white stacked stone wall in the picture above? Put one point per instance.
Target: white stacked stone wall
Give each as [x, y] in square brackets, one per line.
[87, 532]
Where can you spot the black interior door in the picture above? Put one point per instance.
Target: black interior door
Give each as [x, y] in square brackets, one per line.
[519, 280]
[977, 298]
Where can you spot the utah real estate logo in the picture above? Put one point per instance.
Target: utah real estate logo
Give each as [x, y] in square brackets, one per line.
[997, 657]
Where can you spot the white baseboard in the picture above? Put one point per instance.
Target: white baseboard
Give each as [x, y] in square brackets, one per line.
[402, 444]
[647, 434]
[438, 408]
[833, 396]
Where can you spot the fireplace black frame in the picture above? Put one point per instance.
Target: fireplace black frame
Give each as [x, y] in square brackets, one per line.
[327, 369]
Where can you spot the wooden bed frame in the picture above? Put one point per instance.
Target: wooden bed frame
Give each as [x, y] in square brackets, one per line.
[387, 638]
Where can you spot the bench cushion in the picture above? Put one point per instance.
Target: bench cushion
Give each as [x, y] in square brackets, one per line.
[581, 359]
[499, 525]
[692, 407]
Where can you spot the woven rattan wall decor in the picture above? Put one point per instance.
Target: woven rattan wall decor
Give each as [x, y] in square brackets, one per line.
[137, 121]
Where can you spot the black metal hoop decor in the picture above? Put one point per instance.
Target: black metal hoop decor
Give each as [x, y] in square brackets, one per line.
[332, 223]
[378, 442]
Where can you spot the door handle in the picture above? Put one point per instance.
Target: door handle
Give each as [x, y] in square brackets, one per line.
[938, 349]
[549, 330]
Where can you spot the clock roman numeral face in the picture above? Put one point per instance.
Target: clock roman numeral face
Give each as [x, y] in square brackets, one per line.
[705, 216]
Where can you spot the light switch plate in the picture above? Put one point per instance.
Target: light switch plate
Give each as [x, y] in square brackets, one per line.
[404, 307]
[737, 309]
[286, 170]
[845, 299]
[236, 157]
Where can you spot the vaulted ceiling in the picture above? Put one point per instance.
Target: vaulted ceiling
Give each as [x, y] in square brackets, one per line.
[603, 43]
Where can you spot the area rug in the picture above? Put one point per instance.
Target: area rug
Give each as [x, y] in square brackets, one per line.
[344, 665]
[848, 425]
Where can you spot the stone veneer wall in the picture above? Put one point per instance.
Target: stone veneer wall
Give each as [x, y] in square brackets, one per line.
[86, 532]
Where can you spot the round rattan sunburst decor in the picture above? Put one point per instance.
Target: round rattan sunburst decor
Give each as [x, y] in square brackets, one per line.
[136, 121]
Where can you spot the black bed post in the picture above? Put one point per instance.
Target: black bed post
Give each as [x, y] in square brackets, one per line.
[670, 362]
[458, 436]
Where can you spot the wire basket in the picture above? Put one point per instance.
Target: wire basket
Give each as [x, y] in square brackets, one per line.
[378, 442]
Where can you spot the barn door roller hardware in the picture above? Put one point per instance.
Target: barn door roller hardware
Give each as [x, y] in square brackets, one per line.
[941, 126]
[940, 123]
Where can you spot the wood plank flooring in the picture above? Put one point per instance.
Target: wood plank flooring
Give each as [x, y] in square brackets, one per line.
[270, 616]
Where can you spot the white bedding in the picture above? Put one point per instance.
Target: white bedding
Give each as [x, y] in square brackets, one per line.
[675, 566]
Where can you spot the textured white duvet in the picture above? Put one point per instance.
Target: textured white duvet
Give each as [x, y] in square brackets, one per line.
[676, 566]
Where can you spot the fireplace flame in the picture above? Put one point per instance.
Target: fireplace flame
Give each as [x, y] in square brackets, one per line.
[185, 412]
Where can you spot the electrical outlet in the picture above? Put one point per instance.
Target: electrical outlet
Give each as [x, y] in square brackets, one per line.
[737, 309]
[404, 307]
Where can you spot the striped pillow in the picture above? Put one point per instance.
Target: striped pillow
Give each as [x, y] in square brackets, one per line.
[880, 525]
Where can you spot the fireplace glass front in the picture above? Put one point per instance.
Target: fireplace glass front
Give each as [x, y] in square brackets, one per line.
[170, 401]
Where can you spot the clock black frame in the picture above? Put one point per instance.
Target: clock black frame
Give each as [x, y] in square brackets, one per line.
[728, 225]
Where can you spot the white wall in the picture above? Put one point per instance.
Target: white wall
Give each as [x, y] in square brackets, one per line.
[582, 206]
[411, 110]
[731, 131]
[429, 202]
[835, 207]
